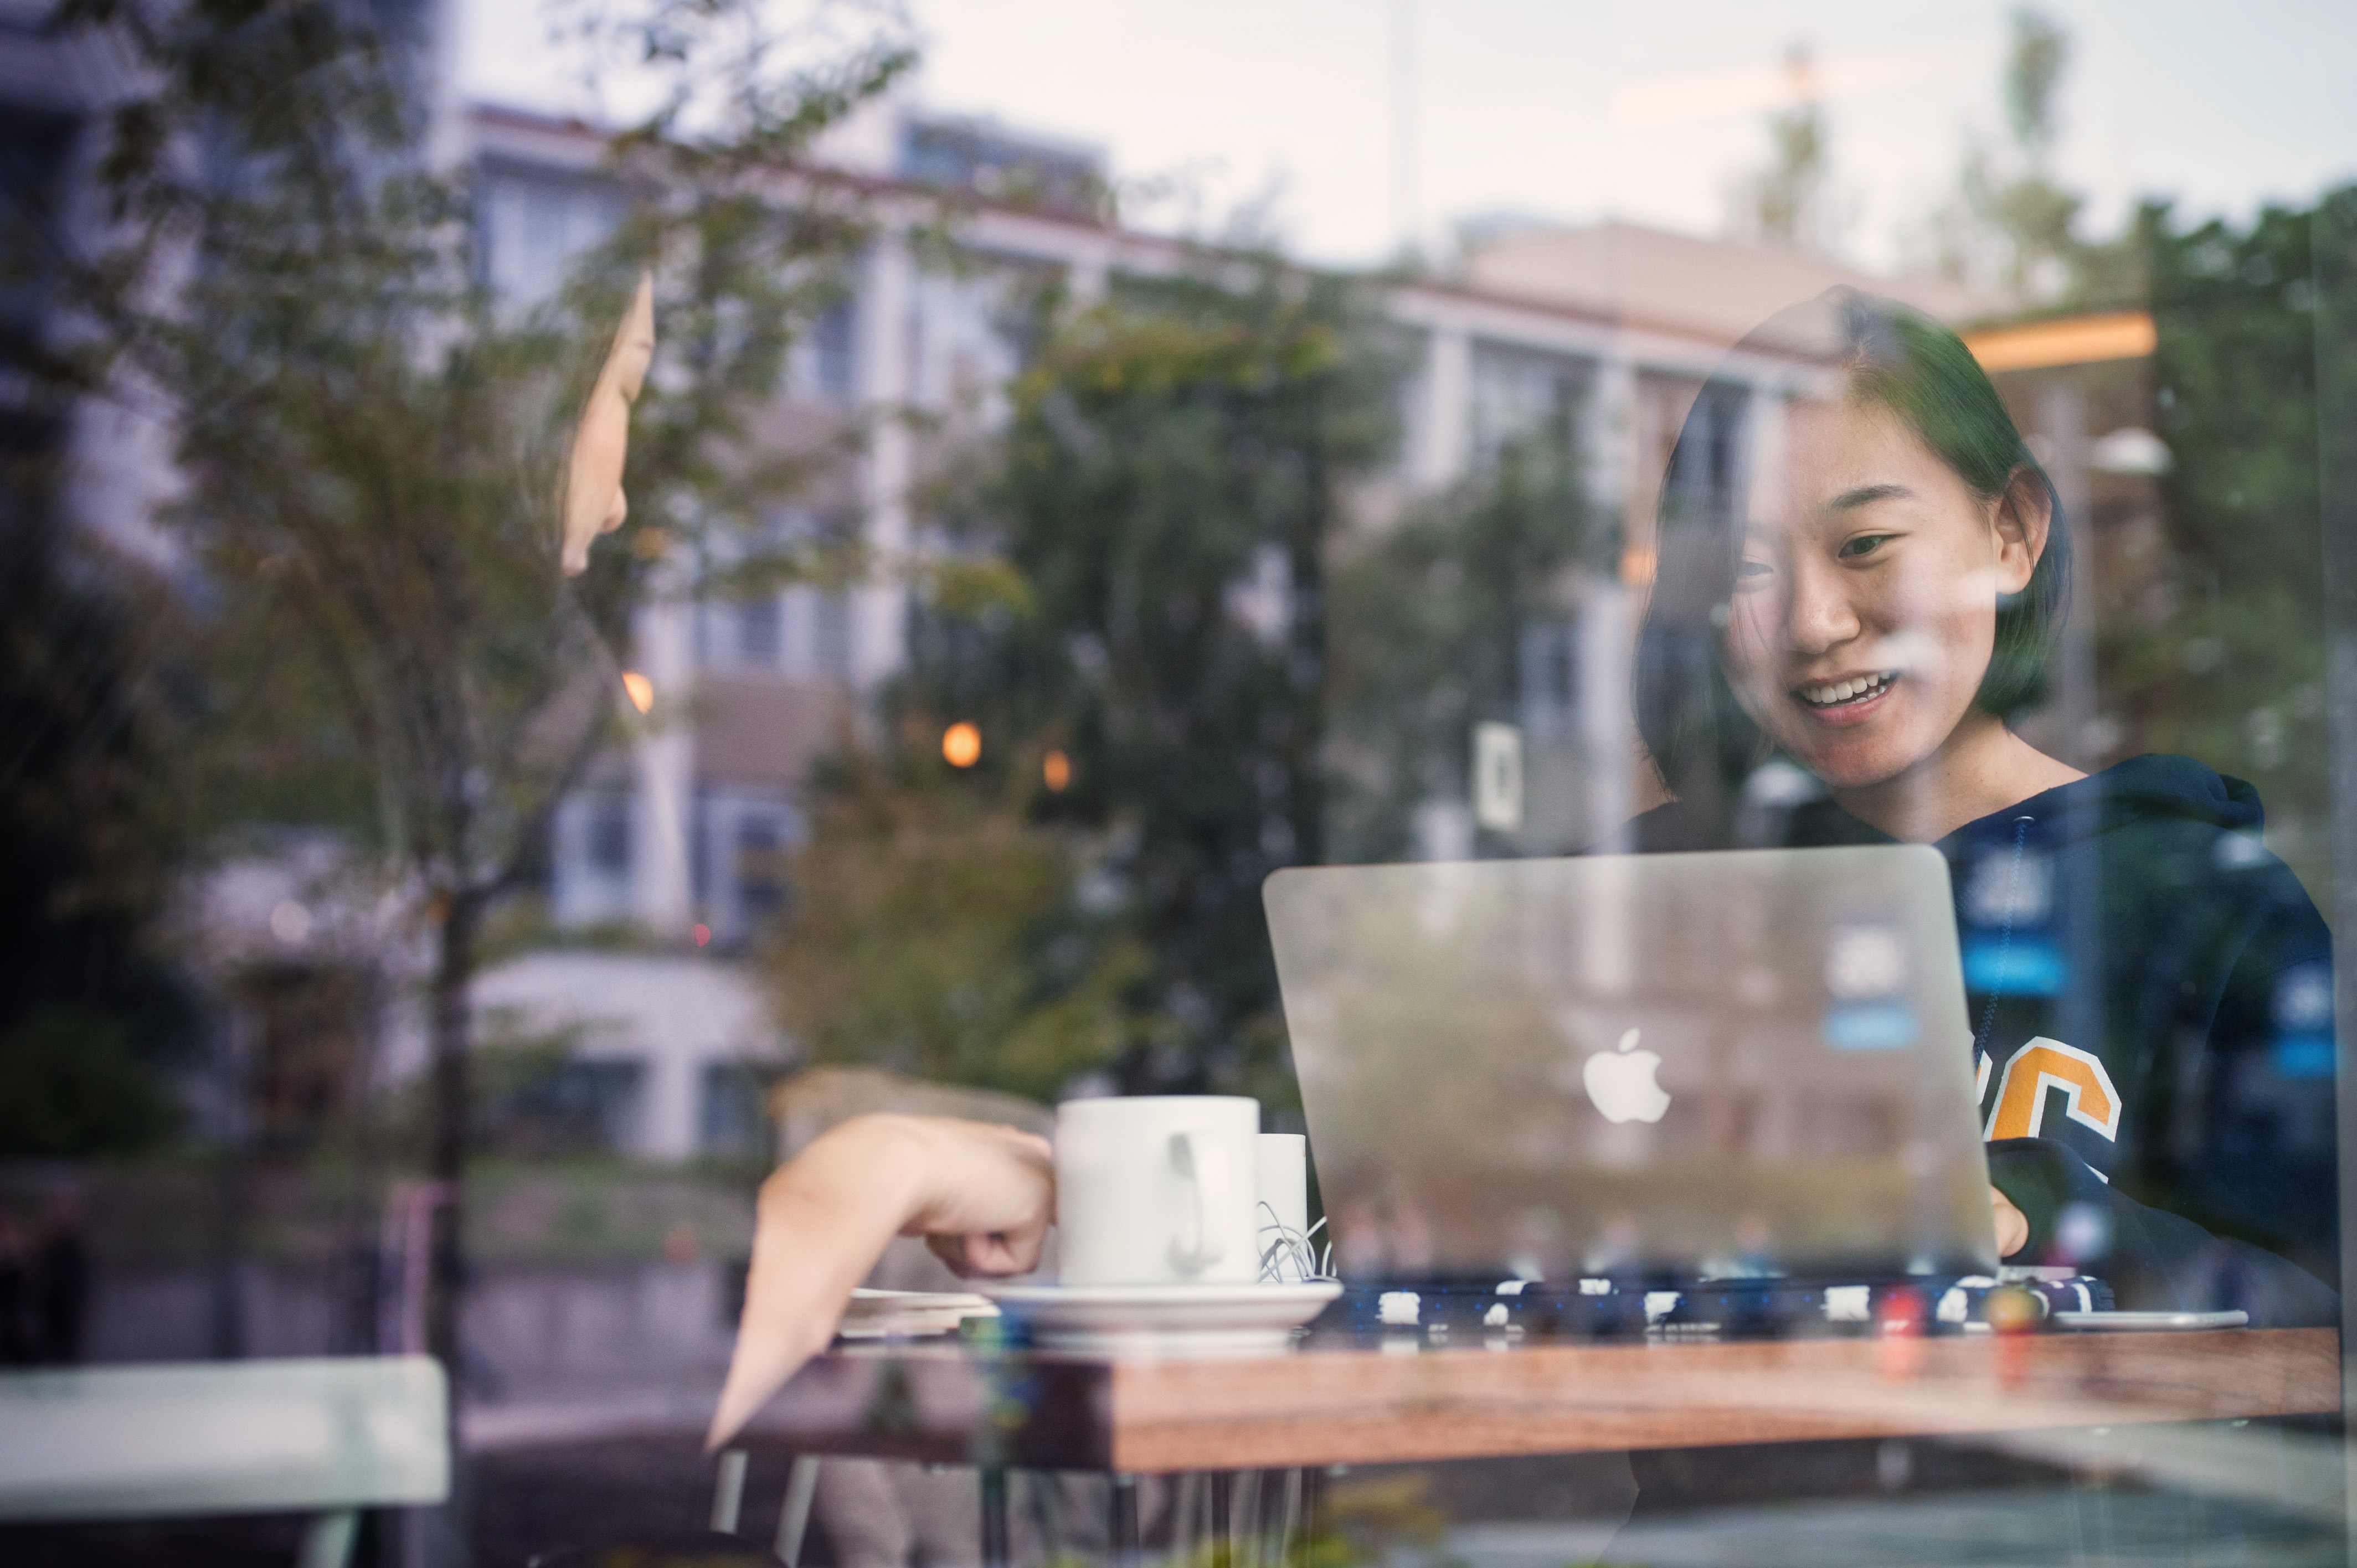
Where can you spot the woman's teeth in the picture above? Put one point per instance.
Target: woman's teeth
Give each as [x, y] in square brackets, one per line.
[1845, 691]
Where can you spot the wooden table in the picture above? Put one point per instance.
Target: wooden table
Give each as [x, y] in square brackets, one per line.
[1351, 1402]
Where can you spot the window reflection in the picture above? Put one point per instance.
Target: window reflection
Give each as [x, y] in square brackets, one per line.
[413, 947]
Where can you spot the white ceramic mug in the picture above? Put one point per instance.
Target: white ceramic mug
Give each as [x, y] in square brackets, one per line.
[1157, 1190]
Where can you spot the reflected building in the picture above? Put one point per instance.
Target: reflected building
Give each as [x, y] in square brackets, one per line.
[773, 679]
[91, 464]
[1593, 341]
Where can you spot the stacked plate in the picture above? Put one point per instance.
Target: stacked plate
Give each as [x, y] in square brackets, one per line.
[895, 1314]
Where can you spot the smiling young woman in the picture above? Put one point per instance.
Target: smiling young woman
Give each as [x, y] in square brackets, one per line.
[1877, 603]
[1843, 628]
[1863, 621]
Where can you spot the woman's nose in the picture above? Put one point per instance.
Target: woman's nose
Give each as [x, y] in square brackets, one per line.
[1818, 617]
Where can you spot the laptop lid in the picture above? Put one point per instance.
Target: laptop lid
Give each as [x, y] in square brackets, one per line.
[1715, 1065]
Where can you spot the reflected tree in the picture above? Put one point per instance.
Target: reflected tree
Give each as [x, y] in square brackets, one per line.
[1792, 202]
[2216, 646]
[1430, 621]
[1022, 979]
[369, 442]
[91, 1011]
[1168, 492]
[2011, 224]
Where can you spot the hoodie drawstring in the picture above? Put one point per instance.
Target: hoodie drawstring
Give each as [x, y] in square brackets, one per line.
[2004, 942]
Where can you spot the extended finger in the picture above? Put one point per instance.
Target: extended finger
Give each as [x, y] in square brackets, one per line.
[823, 1222]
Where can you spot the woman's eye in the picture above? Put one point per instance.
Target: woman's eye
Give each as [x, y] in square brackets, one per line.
[1865, 544]
[1750, 574]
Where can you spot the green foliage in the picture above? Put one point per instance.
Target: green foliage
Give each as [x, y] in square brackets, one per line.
[2033, 74]
[973, 588]
[1168, 492]
[515, 1087]
[91, 831]
[2222, 658]
[2332, 236]
[938, 931]
[372, 443]
[1787, 202]
[1428, 631]
[593, 1208]
[1380, 1518]
[2011, 225]
[70, 1085]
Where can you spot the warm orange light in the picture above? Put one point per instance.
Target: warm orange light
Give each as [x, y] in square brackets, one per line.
[1637, 567]
[2075, 340]
[1057, 769]
[641, 689]
[962, 744]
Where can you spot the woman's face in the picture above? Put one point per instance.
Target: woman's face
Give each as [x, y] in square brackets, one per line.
[1865, 608]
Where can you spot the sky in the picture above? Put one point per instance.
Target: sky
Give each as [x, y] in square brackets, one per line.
[1351, 126]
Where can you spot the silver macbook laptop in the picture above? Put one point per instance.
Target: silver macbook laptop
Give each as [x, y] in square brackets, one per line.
[1755, 1062]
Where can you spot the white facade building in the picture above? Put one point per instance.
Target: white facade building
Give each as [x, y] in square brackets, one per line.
[1606, 335]
[666, 1051]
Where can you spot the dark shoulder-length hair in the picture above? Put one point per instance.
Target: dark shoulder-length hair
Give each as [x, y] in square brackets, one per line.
[1887, 353]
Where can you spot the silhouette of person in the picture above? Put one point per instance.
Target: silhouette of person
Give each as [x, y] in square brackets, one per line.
[60, 1283]
[16, 1287]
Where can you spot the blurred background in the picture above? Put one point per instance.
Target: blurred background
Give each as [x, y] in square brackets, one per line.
[1094, 456]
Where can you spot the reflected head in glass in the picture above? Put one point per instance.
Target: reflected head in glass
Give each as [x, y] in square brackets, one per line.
[1872, 599]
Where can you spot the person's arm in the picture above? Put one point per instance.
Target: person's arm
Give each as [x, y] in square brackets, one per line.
[2153, 1260]
[982, 1197]
[2224, 1196]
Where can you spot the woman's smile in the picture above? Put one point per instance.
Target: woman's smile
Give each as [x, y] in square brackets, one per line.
[1845, 700]
[1864, 608]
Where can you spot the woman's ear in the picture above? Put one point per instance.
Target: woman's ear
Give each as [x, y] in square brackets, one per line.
[2025, 514]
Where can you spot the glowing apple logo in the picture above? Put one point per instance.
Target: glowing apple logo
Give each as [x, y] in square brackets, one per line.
[1621, 1083]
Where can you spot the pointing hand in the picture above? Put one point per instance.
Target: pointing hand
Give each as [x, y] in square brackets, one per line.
[982, 1196]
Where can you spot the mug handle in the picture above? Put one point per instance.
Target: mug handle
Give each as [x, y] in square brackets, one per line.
[1203, 1161]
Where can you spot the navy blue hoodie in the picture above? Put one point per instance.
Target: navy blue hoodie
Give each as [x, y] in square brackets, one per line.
[2152, 996]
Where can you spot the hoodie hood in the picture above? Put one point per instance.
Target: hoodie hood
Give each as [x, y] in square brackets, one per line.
[2142, 792]
[2146, 788]
[2137, 792]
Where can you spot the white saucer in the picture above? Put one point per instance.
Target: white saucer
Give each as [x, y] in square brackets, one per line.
[1163, 1320]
